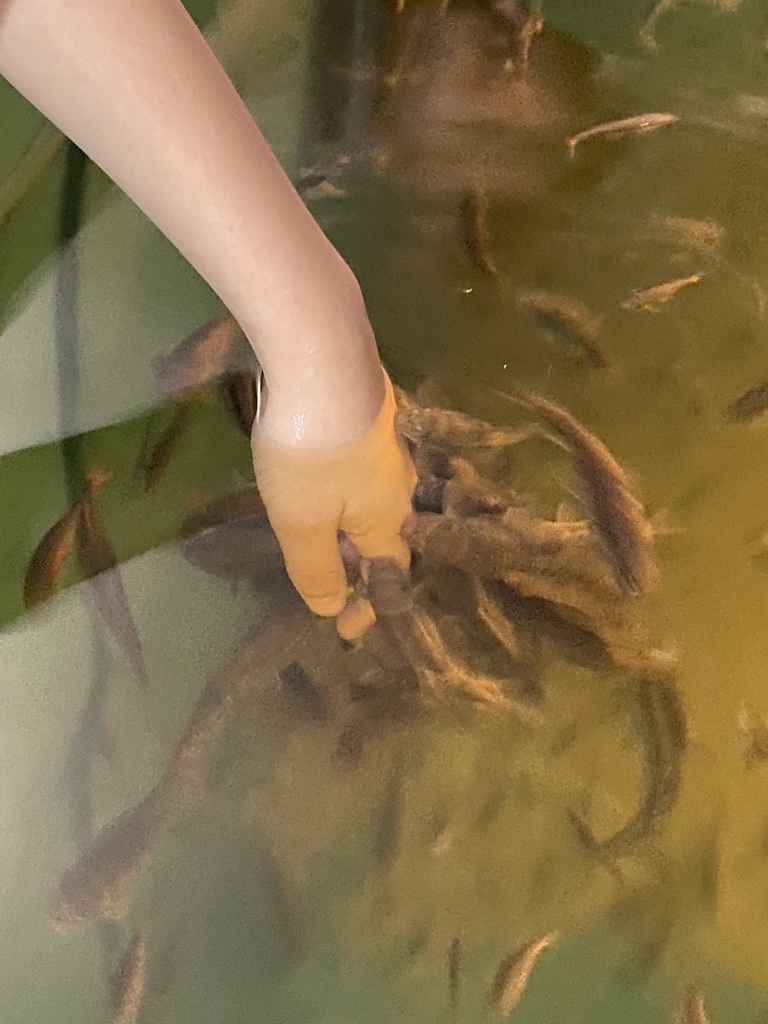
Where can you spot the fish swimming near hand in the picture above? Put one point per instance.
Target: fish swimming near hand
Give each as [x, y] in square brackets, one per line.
[474, 220]
[750, 405]
[568, 319]
[101, 565]
[205, 354]
[130, 982]
[617, 514]
[451, 430]
[514, 973]
[159, 458]
[241, 391]
[50, 558]
[639, 124]
[652, 299]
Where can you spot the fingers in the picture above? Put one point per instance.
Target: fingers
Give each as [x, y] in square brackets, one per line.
[314, 565]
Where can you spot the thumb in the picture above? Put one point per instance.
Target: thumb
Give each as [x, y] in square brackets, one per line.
[313, 561]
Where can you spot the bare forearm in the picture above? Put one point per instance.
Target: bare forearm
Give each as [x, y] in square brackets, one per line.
[135, 85]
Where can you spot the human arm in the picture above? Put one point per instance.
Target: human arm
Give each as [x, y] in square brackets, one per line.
[135, 85]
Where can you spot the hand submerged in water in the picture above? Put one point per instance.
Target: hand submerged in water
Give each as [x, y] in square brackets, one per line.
[312, 488]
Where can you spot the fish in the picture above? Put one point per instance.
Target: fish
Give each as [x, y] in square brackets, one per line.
[750, 405]
[455, 959]
[130, 981]
[701, 236]
[298, 685]
[651, 299]
[100, 563]
[241, 393]
[98, 885]
[754, 736]
[159, 459]
[638, 124]
[514, 973]
[568, 319]
[532, 27]
[616, 513]
[646, 35]
[474, 220]
[692, 1009]
[456, 430]
[202, 356]
[50, 558]
[243, 504]
[485, 546]
[662, 725]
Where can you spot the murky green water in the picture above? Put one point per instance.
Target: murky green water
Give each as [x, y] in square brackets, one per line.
[307, 889]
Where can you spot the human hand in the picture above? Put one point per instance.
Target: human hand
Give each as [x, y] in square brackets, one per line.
[363, 488]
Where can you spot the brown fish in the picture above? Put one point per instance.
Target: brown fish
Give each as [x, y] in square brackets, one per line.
[652, 299]
[753, 732]
[474, 224]
[700, 236]
[100, 563]
[514, 973]
[98, 885]
[50, 557]
[616, 513]
[202, 356]
[638, 124]
[647, 33]
[569, 320]
[692, 1009]
[159, 459]
[241, 391]
[456, 430]
[242, 504]
[455, 959]
[130, 982]
[749, 406]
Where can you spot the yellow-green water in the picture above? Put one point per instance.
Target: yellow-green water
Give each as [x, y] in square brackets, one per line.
[483, 849]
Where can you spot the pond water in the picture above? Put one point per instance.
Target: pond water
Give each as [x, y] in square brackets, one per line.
[310, 885]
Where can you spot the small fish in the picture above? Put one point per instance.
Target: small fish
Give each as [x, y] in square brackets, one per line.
[514, 973]
[651, 299]
[50, 557]
[754, 735]
[701, 236]
[637, 125]
[455, 959]
[130, 982]
[241, 393]
[569, 320]
[749, 406]
[243, 504]
[477, 241]
[452, 430]
[531, 28]
[203, 355]
[297, 684]
[647, 33]
[97, 886]
[692, 1010]
[100, 563]
[159, 459]
[617, 514]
